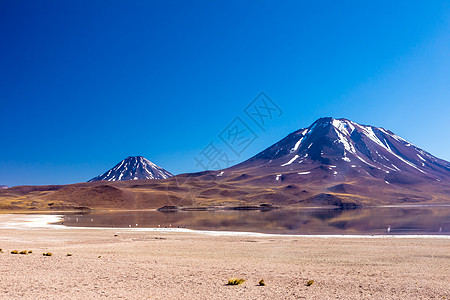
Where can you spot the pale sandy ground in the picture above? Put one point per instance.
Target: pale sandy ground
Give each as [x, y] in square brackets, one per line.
[169, 265]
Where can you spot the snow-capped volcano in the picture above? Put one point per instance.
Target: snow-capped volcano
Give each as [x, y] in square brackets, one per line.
[342, 149]
[4, 187]
[133, 168]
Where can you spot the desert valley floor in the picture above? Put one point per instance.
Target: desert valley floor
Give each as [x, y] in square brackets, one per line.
[133, 264]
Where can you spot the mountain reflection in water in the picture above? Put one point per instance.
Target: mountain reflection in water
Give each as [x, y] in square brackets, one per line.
[375, 220]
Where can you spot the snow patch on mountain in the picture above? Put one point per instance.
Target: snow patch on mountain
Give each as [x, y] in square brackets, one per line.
[291, 161]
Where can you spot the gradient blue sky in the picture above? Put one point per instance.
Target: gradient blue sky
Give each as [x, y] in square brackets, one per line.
[84, 84]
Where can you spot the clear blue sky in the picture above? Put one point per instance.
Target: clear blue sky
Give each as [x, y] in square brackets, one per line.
[84, 84]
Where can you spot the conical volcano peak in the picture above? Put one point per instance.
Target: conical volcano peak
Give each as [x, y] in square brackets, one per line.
[138, 157]
[134, 168]
[347, 147]
[340, 123]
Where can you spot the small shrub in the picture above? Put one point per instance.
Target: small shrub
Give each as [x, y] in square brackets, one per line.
[309, 282]
[235, 281]
[69, 254]
[30, 251]
[1, 251]
[47, 254]
[99, 256]
[261, 282]
[14, 252]
[23, 252]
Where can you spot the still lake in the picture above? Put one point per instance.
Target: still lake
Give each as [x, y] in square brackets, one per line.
[429, 220]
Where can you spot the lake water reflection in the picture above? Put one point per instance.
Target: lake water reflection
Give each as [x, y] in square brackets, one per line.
[375, 220]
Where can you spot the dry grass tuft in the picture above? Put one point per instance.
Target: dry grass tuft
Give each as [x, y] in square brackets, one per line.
[309, 282]
[69, 254]
[261, 282]
[14, 252]
[47, 254]
[235, 281]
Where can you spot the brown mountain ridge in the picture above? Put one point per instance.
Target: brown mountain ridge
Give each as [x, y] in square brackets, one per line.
[333, 162]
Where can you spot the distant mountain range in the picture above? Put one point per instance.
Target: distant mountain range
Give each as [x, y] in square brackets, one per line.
[3, 187]
[333, 162]
[133, 168]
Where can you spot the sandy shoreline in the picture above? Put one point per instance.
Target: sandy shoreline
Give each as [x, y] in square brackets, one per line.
[162, 264]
